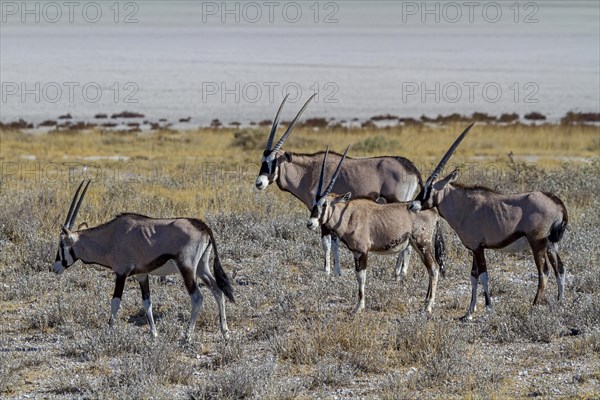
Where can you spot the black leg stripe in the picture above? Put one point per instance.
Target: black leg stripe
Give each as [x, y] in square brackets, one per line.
[63, 261]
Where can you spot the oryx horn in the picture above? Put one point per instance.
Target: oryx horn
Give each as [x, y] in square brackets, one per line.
[70, 213]
[71, 222]
[292, 124]
[442, 164]
[336, 173]
[322, 176]
[275, 123]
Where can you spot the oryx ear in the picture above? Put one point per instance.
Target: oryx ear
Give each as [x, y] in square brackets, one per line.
[441, 184]
[286, 157]
[454, 175]
[344, 198]
[81, 226]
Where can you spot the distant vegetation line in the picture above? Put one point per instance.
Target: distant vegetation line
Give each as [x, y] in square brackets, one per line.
[134, 121]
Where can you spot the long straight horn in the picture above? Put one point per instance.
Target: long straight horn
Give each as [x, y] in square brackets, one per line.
[292, 124]
[336, 173]
[275, 123]
[74, 217]
[442, 164]
[322, 176]
[72, 207]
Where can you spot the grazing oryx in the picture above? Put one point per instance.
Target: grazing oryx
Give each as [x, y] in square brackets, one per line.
[366, 226]
[137, 245]
[484, 219]
[388, 179]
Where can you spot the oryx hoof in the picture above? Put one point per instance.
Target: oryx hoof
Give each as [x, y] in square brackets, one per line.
[359, 308]
[466, 318]
[226, 335]
[153, 333]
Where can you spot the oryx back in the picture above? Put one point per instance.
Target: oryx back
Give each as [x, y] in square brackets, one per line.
[151, 245]
[391, 179]
[482, 217]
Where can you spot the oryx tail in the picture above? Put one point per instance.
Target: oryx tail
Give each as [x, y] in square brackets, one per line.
[558, 228]
[220, 276]
[440, 248]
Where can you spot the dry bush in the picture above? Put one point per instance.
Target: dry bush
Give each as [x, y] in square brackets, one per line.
[249, 139]
[243, 381]
[586, 345]
[374, 144]
[333, 372]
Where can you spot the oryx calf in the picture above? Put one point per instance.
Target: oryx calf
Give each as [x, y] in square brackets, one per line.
[387, 179]
[366, 226]
[137, 245]
[485, 219]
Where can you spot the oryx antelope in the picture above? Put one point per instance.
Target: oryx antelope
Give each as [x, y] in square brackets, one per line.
[368, 227]
[387, 179]
[485, 219]
[137, 245]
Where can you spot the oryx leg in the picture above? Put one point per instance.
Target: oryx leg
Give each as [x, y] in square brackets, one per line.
[115, 304]
[483, 276]
[478, 270]
[144, 281]
[401, 268]
[360, 261]
[335, 245]
[539, 255]
[189, 280]
[559, 269]
[426, 253]
[204, 273]
[326, 242]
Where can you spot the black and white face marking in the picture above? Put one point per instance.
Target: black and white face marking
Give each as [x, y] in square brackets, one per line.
[422, 197]
[431, 196]
[317, 215]
[269, 170]
[65, 257]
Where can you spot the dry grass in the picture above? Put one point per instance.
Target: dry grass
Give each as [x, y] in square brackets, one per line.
[294, 335]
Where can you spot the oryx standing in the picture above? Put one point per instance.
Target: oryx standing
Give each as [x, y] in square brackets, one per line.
[133, 244]
[387, 179]
[484, 219]
[368, 227]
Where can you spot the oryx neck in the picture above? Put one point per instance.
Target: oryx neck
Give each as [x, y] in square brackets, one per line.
[454, 204]
[338, 218]
[296, 177]
[91, 245]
